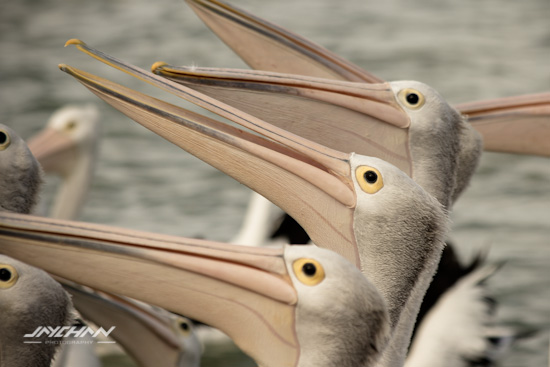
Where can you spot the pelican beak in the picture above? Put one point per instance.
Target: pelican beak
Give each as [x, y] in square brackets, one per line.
[509, 125]
[309, 181]
[148, 336]
[349, 117]
[518, 124]
[191, 277]
[50, 147]
[266, 46]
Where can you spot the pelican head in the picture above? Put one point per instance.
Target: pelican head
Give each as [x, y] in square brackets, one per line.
[445, 148]
[20, 173]
[29, 298]
[279, 304]
[72, 131]
[67, 147]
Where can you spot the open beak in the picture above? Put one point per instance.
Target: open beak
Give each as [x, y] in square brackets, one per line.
[349, 117]
[145, 334]
[509, 125]
[362, 118]
[266, 46]
[191, 277]
[519, 124]
[311, 182]
[50, 147]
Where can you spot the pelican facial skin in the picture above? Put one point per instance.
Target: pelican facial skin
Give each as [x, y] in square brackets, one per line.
[150, 335]
[29, 298]
[67, 147]
[20, 173]
[266, 46]
[281, 301]
[364, 208]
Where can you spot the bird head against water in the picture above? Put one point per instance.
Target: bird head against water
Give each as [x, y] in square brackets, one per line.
[20, 173]
[29, 298]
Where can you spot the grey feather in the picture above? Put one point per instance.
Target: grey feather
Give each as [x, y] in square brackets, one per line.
[20, 174]
[34, 300]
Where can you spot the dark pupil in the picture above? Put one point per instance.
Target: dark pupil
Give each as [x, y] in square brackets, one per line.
[309, 269]
[371, 177]
[412, 98]
[184, 326]
[3, 137]
[5, 275]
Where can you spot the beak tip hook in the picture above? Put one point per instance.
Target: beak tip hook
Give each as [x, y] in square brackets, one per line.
[74, 41]
[157, 65]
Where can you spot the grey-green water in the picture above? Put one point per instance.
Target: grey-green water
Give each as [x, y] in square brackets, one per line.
[466, 49]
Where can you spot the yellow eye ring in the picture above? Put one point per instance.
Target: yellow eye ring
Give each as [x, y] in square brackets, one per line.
[411, 98]
[5, 139]
[8, 276]
[70, 125]
[308, 271]
[370, 180]
[183, 326]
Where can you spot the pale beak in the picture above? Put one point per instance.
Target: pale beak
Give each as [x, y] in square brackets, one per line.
[191, 277]
[519, 124]
[50, 147]
[349, 117]
[508, 125]
[266, 46]
[145, 334]
[309, 181]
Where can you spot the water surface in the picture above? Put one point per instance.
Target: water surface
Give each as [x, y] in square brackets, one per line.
[467, 50]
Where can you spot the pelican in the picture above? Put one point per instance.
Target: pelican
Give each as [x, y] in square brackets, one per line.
[21, 174]
[68, 147]
[152, 336]
[278, 304]
[362, 207]
[29, 298]
[524, 128]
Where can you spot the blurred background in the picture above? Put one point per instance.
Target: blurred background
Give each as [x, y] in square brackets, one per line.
[467, 50]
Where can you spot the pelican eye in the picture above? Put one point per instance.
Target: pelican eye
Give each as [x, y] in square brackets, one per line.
[70, 125]
[411, 98]
[4, 140]
[369, 179]
[8, 276]
[308, 271]
[183, 326]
